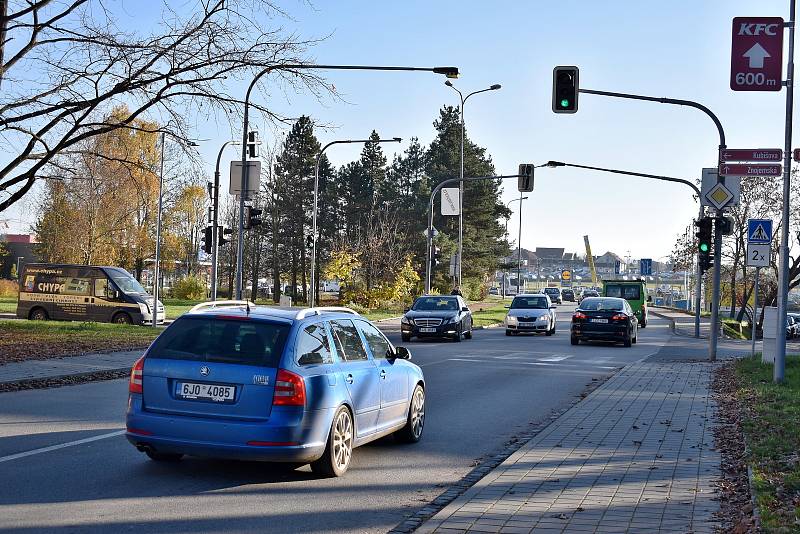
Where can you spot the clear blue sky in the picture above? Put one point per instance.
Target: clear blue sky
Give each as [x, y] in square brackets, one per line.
[679, 49]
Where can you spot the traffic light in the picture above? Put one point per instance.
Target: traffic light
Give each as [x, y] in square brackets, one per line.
[435, 255]
[252, 144]
[208, 236]
[565, 89]
[705, 240]
[725, 225]
[252, 217]
[221, 240]
[525, 178]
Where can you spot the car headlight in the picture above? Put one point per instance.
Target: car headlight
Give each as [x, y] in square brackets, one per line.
[144, 308]
[510, 319]
[544, 317]
[449, 320]
[406, 320]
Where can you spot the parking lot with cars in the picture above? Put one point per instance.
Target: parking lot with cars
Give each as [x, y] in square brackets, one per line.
[73, 469]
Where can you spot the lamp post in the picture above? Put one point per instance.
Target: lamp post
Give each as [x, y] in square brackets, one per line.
[215, 222]
[519, 236]
[450, 72]
[313, 292]
[463, 98]
[156, 269]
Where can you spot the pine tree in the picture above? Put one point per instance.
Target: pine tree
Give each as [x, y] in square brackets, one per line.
[483, 235]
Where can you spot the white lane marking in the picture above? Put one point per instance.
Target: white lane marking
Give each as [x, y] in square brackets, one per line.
[555, 358]
[61, 446]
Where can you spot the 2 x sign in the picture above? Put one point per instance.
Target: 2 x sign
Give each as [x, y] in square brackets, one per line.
[757, 54]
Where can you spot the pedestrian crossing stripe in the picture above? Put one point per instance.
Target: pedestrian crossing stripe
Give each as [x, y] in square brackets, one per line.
[759, 234]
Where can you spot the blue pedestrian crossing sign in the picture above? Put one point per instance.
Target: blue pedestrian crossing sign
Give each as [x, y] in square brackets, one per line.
[759, 231]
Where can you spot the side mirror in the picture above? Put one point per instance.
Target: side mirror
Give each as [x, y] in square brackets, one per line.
[310, 358]
[402, 353]
[464, 309]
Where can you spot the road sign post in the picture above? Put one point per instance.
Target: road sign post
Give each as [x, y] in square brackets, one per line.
[754, 322]
[757, 54]
[783, 271]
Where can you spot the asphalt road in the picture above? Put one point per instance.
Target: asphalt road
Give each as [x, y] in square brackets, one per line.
[480, 393]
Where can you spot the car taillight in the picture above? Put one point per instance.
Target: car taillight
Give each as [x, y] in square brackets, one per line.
[619, 317]
[135, 384]
[579, 315]
[290, 389]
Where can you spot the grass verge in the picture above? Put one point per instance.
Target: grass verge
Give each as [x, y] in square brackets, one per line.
[771, 424]
[8, 304]
[39, 340]
[489, 315]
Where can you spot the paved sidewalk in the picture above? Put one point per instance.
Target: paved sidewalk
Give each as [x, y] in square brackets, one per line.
[684, 323]
[635, 456]
[68, 366]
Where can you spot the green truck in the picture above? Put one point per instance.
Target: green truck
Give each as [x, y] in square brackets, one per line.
[634, 291]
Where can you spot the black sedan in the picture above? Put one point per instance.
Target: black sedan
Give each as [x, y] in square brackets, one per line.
[606, 319]
[444, 316]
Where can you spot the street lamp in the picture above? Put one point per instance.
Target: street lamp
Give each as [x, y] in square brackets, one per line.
[450, 72]
[313, 292]
[463, 98]
[215, 221]
[519, 238]
[158, 223]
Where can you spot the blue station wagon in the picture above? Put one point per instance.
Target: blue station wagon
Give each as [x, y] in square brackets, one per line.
[273, 384]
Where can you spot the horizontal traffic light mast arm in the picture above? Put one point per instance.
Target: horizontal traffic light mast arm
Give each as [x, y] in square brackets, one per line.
[628, 173]
[665, 100]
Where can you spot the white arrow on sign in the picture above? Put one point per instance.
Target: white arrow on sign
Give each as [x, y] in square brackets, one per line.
[756, 56]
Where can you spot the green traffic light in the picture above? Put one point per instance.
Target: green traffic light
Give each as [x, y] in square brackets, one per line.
[703, 247]
[564, 103]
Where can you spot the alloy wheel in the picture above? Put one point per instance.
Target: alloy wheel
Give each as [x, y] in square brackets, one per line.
[418, 412]
[342, 440]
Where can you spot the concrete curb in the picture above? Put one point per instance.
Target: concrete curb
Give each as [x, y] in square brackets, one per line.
[662, 316]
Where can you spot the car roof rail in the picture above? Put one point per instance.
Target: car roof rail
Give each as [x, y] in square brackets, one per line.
[211, 304]
[319, 310]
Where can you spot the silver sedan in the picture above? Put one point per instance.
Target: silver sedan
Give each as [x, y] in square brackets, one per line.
[531, 313]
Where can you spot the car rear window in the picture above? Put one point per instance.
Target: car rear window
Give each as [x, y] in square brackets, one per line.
[212, 339]
[601, 304]
[628, 292]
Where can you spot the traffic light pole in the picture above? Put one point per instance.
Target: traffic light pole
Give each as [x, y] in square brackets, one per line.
[436, 189]
[714, 337]
[215, 222]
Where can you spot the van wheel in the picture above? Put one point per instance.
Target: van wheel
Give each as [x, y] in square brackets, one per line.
[38, 314]
[122, 318]
[336, 458]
